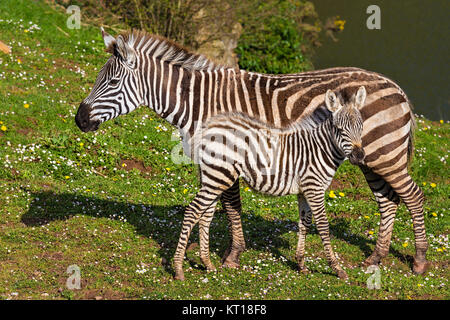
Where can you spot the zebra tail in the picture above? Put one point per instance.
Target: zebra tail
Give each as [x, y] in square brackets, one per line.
[412, 128]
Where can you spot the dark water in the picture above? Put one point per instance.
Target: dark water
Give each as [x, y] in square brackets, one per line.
[412, 47]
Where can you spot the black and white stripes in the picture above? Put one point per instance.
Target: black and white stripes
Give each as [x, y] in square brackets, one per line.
[300, 159]
[187, 89]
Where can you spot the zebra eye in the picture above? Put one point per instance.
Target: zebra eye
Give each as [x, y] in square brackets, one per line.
[114, 82]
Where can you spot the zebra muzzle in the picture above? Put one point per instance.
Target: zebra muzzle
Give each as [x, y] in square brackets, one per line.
[82, 119]
[357, 156]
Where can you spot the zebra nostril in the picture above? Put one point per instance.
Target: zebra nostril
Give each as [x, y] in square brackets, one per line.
[357, 155]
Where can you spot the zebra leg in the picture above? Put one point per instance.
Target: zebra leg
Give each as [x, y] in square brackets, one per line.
[413, 198]
[316, 201]
[388, 201]
[303, 225]
[204, 199]
[231, 201]
[203, 225]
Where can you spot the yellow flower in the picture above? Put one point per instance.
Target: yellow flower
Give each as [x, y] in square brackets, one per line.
[168, 169]
[339, 23]
[124, 165]
[441, 121]
[376, 213]
[425, 128]
[81, 144]
[342, 194]
[367, 217]
[405, 244]
[26, 105]
[45, 60]
[419, 284]
[66, 177]
[433, 185]
[246, 189]
[3, 128]
[185, 191]
[26, 30]
[424, 184]
[1, 122]
[434, 214]
[370, 232]
[331, 194]
[19, 61]
[439, 250]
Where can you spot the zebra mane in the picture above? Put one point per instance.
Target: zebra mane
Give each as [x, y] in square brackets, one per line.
[167, 50]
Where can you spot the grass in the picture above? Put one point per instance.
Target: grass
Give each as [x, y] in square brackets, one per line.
[111, 202]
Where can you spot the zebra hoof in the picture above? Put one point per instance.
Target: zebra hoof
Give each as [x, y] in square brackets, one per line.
[179, 276]
[373, 259]
[211, 268]
[303, 270]
[420, 267]
[342, 274]
[230, 264]
[208, 264]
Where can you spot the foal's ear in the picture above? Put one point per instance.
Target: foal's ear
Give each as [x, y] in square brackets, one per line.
[108, 39]
[360, 97]
[331, 101]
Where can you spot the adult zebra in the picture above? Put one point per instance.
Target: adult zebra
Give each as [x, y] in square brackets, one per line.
[299, 159]
[186, 89]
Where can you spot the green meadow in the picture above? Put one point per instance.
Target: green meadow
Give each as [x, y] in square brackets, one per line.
[111, 202]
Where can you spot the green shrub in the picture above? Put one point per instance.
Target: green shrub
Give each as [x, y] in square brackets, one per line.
[278, 37]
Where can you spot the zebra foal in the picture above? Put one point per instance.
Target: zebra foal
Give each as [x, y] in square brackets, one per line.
[300, 159]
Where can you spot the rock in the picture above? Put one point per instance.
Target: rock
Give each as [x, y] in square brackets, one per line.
[221, 49]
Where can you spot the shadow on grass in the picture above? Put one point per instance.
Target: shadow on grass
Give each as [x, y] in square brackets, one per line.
[262, 234]
[340, 226]
[160, 223]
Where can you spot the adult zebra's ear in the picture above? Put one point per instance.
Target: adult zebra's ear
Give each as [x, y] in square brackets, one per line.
[126, 51]
[360, 97]
[119, 48]
[331, 101]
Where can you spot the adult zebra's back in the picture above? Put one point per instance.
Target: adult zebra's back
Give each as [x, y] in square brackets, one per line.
[186, 89]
